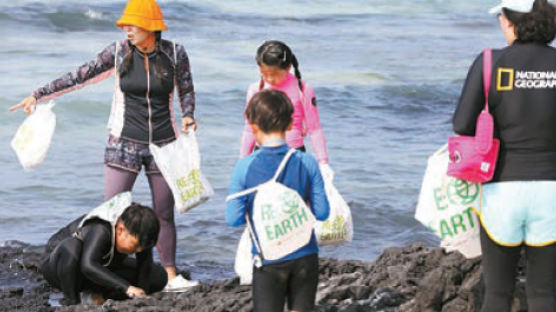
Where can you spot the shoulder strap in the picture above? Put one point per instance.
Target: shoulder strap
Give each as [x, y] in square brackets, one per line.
[242, 193]
[487, 72]
[485, 125]
[276, 175]
[255, 241]
[283, 164]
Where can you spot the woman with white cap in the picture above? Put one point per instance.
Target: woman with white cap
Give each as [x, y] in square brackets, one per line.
[519, 204]
[147, 70]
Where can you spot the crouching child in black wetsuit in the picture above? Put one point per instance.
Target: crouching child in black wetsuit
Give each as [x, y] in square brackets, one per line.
[96, 257]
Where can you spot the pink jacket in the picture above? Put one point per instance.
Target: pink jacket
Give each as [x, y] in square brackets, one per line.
[305, 119]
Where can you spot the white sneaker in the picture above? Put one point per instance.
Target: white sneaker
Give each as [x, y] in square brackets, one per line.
[179, 284]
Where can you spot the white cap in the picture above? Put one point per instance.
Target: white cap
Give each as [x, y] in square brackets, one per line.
[521, 6]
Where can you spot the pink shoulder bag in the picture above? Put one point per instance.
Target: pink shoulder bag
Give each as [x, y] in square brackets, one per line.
[473, 158]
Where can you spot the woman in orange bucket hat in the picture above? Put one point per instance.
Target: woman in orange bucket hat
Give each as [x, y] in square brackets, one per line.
[143, 14]
[147, 70]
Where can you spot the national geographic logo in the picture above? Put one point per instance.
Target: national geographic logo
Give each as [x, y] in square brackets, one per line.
[507, 79]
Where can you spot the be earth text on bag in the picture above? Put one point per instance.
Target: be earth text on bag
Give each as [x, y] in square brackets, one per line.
[338, 228]
[180, 165]
[446, 205]
[282, 221]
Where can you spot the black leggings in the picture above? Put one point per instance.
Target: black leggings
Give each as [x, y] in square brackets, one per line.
[62, 270]
[295, 280]
[500, 270]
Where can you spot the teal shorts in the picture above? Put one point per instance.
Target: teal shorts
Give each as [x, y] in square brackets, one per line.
[520, 212]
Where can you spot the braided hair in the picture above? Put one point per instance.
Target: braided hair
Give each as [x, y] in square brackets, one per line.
[277, 54]
[127, 62]
[158, 65]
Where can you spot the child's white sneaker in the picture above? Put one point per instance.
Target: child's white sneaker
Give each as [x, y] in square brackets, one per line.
[179, 284]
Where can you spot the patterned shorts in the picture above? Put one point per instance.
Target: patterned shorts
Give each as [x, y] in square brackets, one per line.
[129, 155]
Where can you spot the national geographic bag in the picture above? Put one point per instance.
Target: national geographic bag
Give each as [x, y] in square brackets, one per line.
[446, 206]
[282, 220]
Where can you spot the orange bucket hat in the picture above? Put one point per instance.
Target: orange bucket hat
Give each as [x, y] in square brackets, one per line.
[142, 13]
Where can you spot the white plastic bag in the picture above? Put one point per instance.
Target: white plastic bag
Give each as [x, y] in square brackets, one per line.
[446, 207]
[243, 265]
[338, 228]
[32, 139]
[180, 164]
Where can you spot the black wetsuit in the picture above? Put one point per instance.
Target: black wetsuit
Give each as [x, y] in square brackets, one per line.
[522, 100]
[522, 107]
[79, 264]
[144, 92]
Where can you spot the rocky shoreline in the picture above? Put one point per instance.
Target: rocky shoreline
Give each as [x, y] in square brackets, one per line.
[405, 279]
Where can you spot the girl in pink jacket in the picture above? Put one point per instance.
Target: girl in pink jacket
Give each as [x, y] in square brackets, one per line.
[275, 60]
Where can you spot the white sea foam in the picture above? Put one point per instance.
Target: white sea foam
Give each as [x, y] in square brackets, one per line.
[95, 15]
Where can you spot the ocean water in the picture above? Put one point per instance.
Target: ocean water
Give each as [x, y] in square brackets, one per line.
[387, 75]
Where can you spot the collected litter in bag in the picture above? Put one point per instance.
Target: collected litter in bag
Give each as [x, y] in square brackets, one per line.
[446, 205]
[33, 137]
[180, 165]
[243, 265]
[338, 228]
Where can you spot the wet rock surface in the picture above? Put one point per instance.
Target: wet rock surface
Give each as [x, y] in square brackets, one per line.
[22, 288]
[405, 279]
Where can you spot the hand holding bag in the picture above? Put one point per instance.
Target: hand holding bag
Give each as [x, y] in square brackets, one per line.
[473, 158]
[32, 139]
[338, 228]
[180, 165]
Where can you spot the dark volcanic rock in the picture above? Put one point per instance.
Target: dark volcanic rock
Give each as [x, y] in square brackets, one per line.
[409, 279]
[22, 288]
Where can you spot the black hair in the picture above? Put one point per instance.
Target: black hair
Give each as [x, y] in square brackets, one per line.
[158, 58]
[141, 222]
[539, 25]
[127, 62]
[270, 110]
[277, 54]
